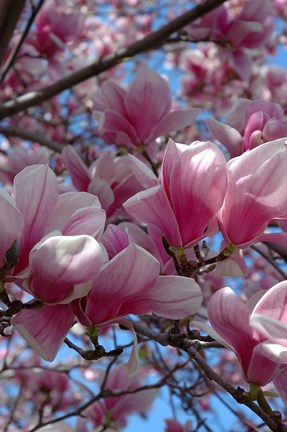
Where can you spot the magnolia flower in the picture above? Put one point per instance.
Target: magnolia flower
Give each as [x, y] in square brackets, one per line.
[189, 193]
[54, 27]
[109, 178]
[57, 252]
[230, 316]
[256, 194]
[140, 114]
[248, 125]
[36, 210]
[238, 36]
[130, 284]
[20, 158]
[112, 412]
[269, 318]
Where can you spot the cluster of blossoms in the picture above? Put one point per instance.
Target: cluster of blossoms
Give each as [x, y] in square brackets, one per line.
[142, 228]
[69, 257]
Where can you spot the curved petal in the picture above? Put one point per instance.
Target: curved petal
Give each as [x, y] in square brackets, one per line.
[89, 221]
[152, 206]
[36, 195]
[119, 125]
[173, 121]
[172, 152]
[147, 101]
[44, 329]
[173, 297]
[262, 368]
[68, 204]
[270, 328]
[198, 182]
[126, 277]
[11, 223]
[226, 135]
[115, 240]
[256, 191]
[223, 307]
[143, 173]
[76, 167]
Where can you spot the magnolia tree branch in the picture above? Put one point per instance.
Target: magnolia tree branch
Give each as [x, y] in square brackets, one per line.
[181, 342]
[9, 131]
[106, 393]
[10, 12]
[12, 57]
[149, 42]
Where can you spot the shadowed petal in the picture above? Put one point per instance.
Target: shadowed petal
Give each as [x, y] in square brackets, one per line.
[44, 329]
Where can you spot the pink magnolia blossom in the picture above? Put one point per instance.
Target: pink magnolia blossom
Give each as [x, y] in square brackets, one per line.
[137, 116]
[113, 411]
[36, 210]
[239, 37]
[57, 252]
[249, 124]
[130, 284]
[229, 316]
[118, 237]
[109, 178]
[256, 194]
[269, 318]
[190, 191]
[59, 265]
[54, 27]
[19, 158]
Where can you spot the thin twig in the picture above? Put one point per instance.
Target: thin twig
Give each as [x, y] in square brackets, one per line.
[12, 57]
[186, 345]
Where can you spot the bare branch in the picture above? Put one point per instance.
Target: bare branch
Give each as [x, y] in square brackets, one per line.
[9, 16]
[149, 42]
[31, 136]
[12, 57]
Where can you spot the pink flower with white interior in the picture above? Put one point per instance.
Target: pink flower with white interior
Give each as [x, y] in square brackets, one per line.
[189, 193]
[43, 212]
[269, 318]
[256, 194]
[58, 252]
[248, 125]
[137, 116]
[237, 334]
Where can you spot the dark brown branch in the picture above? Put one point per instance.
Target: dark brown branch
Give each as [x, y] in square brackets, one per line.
[31, 136]
[10, 12]
[12, 57]
[149, 42]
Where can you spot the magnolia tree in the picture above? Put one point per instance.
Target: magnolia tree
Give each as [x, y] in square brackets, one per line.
[143, 217]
